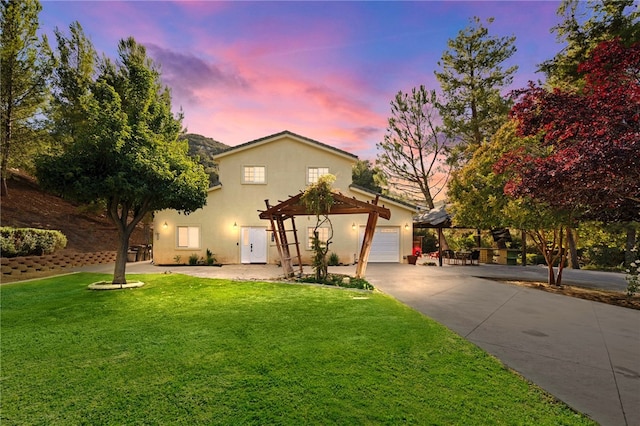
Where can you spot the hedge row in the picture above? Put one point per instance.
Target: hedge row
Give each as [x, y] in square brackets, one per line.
[29, 241]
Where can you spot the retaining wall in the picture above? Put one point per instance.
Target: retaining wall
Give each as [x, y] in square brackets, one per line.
[15, 267]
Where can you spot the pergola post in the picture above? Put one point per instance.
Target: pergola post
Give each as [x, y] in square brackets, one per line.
[440, 247]
[366, 244]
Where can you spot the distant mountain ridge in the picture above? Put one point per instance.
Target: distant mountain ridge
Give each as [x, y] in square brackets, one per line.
[205, 148]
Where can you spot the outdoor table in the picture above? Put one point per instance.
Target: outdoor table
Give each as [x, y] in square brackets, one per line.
[462, 257]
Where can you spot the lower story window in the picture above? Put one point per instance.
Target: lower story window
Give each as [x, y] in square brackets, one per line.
[323, 236]
[188, 237]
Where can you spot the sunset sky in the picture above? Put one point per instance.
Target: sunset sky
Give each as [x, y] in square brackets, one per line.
[325, 70]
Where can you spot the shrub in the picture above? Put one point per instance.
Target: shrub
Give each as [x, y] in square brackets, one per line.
[535, 259]
[193, 259]
[602, 256]
[210, 258]
[339, 280]
[30, 241]
[334, 260]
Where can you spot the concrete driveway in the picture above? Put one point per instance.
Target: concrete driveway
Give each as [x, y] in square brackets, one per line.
[585, 353]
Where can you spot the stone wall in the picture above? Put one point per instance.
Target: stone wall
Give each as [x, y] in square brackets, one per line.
[16, 268]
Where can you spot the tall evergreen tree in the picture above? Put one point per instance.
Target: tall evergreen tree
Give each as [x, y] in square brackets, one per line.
[471, 78]
[76, 67]
[25, 65]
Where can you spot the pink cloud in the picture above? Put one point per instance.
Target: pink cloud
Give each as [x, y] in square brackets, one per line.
[282, 88]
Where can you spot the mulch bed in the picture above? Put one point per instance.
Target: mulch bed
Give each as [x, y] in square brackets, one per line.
[609, 297]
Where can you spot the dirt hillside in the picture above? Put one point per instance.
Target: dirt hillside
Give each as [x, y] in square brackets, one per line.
[27, 206]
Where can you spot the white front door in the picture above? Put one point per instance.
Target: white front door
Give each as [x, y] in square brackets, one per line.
[253, 244]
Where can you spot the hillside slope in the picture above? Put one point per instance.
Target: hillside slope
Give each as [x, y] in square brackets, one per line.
[204, 149]
[29, 207]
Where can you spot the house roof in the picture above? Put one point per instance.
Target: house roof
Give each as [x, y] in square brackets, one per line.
[396, 201]
[277, 136]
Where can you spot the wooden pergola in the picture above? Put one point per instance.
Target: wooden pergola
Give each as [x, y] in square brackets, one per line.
[287, 210]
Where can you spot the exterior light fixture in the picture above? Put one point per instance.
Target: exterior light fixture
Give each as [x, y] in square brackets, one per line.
[235, 225]
[165, 225]
[353, 226]
[406, 226]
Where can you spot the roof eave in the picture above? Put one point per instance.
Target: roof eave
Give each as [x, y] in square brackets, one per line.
[274, 137]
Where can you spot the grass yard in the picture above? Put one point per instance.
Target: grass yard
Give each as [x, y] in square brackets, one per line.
[184, 350]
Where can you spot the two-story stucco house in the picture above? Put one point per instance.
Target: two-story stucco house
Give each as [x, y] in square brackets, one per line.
[274, 168]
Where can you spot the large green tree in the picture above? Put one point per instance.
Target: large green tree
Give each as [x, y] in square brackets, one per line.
[125, 150]
[25, 65]
[368, 176]
[414, 147]
[478, 199]
[471, 77]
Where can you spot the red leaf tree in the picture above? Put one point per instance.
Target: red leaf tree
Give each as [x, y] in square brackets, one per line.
[590, 161]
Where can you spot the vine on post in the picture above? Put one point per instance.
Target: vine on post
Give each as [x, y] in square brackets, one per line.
[318, 199]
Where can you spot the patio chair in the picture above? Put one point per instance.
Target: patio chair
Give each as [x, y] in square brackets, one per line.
[475, 257]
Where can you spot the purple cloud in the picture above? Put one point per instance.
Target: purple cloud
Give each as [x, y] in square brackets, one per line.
[187, 74]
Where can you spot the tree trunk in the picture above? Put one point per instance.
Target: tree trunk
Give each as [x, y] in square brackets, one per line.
[551, 280]
[119, 272]
[443, 242]
[573, 249]
[5, 150]
[629, 245]
[119, 215]
[546, 252]
[524, 248]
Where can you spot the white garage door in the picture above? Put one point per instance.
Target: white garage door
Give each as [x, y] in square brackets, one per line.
[386, 244]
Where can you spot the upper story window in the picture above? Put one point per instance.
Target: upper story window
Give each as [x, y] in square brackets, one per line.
[254, 174]
[313, 173]
[188, 237]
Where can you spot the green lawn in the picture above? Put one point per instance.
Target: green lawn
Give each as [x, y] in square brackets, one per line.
[184, 350]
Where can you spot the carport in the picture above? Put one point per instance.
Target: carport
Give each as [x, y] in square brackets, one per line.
[436, 218]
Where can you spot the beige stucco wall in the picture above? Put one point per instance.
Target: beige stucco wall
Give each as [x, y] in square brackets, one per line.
[286, 160]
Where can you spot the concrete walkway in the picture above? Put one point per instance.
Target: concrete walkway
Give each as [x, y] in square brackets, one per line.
[585, 353]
